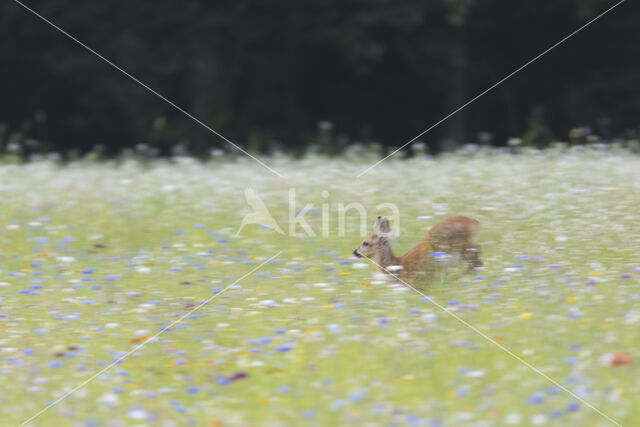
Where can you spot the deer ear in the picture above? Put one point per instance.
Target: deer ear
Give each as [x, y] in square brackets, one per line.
[385, 228]
[377, 225]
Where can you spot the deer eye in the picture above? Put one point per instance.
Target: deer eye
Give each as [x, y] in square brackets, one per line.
[365, 244]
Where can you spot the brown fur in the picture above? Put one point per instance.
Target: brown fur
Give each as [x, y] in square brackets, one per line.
[453, 235]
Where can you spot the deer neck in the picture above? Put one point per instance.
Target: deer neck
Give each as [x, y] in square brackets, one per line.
[386, 258]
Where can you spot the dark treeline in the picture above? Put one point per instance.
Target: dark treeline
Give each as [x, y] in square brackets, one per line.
[267, 71]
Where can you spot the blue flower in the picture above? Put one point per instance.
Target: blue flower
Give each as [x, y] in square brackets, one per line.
[414, 420]
[554, 390]
[438, 254]
[359, 395]
[308, 414]
[264, 340]
[337, 404]
[573, 407]
[555, 414]
[463, 392]
[536, 399]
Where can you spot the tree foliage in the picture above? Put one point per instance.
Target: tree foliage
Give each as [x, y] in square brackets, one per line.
[266, 71]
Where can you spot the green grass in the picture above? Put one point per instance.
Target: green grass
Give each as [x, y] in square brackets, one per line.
[551, 224]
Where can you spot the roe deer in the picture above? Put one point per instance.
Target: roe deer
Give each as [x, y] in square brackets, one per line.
[453, 235]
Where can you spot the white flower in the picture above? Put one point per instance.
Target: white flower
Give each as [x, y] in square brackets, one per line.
[539, 420]
[137, 413]
[513, 418]
[110, 399]
[429, 317]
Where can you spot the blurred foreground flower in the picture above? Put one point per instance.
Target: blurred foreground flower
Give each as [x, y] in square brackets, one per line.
[622, 358]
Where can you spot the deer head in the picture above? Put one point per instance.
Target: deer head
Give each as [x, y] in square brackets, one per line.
[377, 246]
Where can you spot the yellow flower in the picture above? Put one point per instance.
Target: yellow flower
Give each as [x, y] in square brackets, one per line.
[526, 315]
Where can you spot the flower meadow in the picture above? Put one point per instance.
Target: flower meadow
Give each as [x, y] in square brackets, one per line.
[97, 259]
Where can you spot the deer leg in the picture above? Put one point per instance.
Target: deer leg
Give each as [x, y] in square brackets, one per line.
[471, 256]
